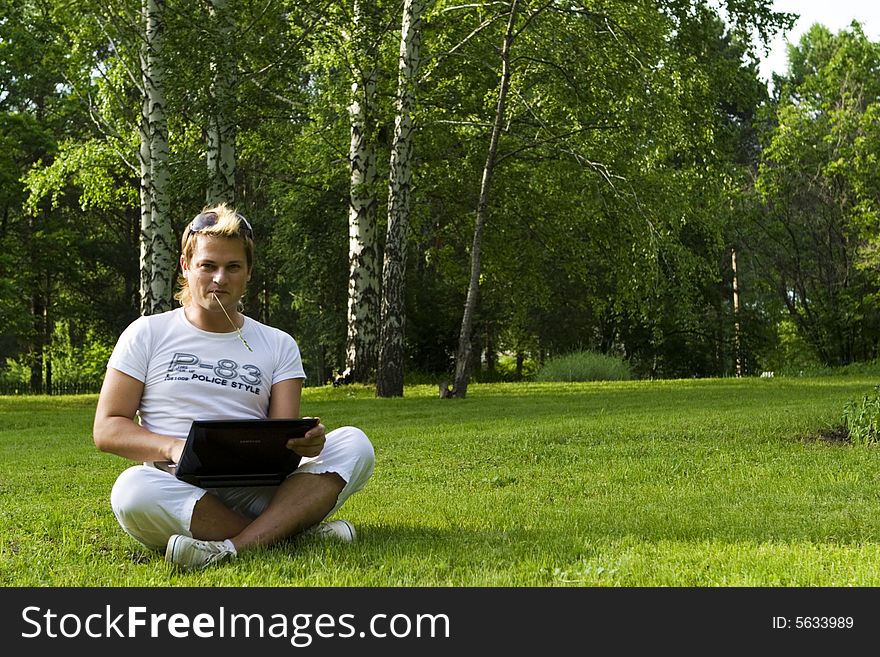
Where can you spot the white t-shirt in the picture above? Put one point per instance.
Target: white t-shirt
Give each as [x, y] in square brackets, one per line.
[191, 374]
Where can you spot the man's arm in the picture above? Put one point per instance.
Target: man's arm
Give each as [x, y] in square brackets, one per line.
[115, 430]
[284, 398]
[284, 401]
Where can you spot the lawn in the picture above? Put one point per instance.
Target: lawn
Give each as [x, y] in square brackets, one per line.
[716, 482]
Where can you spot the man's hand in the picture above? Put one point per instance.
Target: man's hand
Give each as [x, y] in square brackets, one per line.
[310, 444]
[177, 451]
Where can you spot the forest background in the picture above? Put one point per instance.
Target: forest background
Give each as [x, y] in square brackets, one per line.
[444, 191]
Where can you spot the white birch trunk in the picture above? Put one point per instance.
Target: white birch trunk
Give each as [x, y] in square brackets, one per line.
[463, 356]
[146, 224]
[363, 277]
[737, 345]
[220, 154]
[162, 253]
[389, 381]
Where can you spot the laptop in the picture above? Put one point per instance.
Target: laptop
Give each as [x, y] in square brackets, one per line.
[224, 453]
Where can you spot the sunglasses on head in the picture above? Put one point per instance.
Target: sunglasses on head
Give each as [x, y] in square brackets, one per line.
[205, 219]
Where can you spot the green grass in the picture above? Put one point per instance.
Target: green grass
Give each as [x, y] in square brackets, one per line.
[664, 483]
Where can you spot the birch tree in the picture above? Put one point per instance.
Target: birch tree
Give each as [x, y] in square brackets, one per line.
[363, 279]
[145, 161]
[389, 381]
[157, 241]
[130, 62]
[463, 355]
[221, 122]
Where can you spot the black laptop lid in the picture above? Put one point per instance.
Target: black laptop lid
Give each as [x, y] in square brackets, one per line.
[220, 453]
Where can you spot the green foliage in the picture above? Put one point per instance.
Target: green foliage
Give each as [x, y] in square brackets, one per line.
[584, 366]
[92, 167]
[815, 238]
[512, 367]
[78, 364]
[862, 418]
[793, 353]
[74, 367]
[626, 155]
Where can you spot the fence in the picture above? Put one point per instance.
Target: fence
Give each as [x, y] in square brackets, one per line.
[14, 388]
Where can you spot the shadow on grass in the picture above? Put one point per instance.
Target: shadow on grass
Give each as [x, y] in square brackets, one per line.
[836, 435]
[490, 546]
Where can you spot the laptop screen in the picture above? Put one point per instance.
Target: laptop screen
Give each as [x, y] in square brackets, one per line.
[241, 452]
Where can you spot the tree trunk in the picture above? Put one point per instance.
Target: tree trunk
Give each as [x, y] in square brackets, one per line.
[491, 355]
[146, 223]
[48, 331]
[464, 354]
[389, 380]
[221, 123]
[37, 347]
[737, 347]
[363, 278]
[162, 252]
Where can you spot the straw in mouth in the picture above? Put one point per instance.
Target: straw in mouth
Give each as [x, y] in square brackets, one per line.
[237, 330]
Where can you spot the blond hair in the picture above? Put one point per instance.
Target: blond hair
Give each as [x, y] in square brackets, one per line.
[230, 225]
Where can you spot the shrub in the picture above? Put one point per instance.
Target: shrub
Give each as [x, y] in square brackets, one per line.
[862, 419]
[75, 369]
[585, 366]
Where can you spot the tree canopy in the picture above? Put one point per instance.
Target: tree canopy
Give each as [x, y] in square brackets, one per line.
[636, 157]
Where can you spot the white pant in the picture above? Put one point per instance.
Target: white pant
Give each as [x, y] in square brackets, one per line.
[151, 504]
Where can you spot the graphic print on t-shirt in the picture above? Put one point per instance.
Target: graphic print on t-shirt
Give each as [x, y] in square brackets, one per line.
[225, 372]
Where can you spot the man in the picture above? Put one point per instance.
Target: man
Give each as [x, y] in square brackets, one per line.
[256, 371]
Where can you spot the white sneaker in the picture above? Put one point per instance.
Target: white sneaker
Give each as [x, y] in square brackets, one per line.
[337, 530]
[189, 552]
